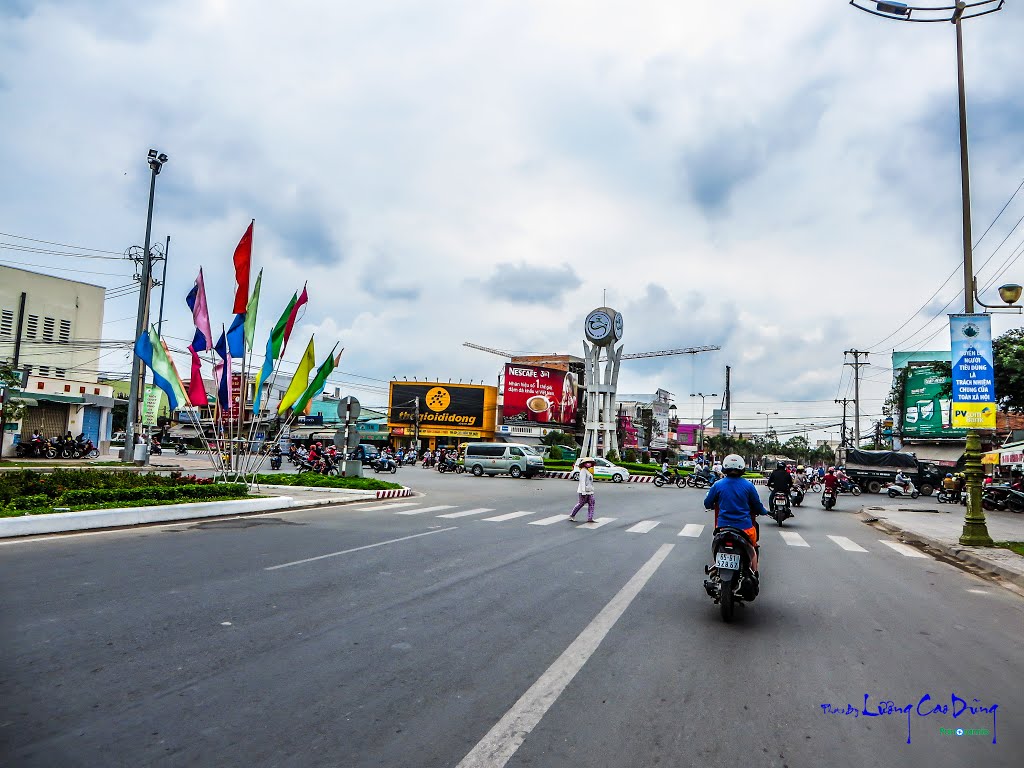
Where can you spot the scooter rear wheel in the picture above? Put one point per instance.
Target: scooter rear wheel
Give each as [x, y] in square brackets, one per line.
[727, 603]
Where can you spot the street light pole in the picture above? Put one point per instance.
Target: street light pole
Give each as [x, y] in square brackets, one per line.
[766, 415]
[975, 531]
[156, 162]
[703, 397]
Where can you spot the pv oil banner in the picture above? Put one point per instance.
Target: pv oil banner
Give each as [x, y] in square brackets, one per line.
[974, 389]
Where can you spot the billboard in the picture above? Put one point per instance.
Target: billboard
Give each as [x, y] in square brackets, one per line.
[539, 395]
[452, 410]
[974, 386]
[925, 413]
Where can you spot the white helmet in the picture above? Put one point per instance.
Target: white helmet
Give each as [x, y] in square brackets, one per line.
[732, 461]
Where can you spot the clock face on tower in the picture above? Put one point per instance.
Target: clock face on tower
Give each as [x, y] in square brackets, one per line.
[617, 326]
[598, 326]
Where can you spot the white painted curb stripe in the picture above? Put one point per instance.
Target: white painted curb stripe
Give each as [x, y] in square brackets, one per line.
[598, 522]
[645, 527]
[467, 513]
[793, 539]
[502, 741]
[693, 530]
[848, 544]
[425, 509]
[356, 549]
[903, 549]
[550, 520]
[508, 516]
[396, 505]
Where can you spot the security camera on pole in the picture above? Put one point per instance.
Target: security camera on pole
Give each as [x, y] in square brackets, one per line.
[603, 328]
[346, 439]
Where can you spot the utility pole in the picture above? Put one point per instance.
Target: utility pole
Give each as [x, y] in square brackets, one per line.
[727, 403]
[842, 439]
[24, 379]
[856, 365]
[133, 425]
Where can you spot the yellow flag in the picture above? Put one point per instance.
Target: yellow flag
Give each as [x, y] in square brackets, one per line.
[300, 380]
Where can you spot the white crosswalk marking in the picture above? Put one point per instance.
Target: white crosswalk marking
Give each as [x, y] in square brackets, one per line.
[424, 509]
[467, 512]
[847, 544]
[508, 516]
[793, 539]
[549, 520]
[389, 506]
[903, 549]
[645, 527]
[598, 522]
[693, 530]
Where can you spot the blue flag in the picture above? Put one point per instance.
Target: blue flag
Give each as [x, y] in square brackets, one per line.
[222, 372]
[236, 336]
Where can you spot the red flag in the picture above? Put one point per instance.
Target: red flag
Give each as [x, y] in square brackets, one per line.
[243, 261]
[303, 298]
[196, 390]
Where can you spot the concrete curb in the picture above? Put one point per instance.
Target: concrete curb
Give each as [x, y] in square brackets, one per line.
[62, 522]
[390, 493]
[958, 552]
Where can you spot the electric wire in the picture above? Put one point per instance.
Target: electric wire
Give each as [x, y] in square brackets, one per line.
[62, 245]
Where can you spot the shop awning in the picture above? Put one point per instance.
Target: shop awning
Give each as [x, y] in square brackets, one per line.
[184, 430]
[943, 455]
[71, 399]
[100, 400]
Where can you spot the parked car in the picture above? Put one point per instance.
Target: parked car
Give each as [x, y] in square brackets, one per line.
[603, 470]
[365, 453]
[502, 458]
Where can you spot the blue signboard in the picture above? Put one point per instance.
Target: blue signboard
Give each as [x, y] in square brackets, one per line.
[974, 387]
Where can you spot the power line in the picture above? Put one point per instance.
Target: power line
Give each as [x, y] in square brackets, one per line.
[63, 245]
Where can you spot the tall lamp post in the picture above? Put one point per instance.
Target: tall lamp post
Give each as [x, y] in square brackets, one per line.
[766, 417]
[703, 397]
[975, 531]
[156, 163]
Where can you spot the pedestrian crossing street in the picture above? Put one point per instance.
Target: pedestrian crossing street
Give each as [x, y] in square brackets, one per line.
[689, 530]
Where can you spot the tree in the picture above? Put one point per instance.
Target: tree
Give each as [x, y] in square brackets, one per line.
[557, 437]
[11, 379]
[1008, 360]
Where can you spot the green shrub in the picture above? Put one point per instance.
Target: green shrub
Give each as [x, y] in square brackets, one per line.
[312, 479]
[555, 453]
[630, 455]
[612, 456]
[30, 501]
[179, 493]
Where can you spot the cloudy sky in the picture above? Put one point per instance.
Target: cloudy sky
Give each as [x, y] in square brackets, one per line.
[777, 178]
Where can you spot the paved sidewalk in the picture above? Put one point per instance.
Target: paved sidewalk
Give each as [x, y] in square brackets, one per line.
[941, 530]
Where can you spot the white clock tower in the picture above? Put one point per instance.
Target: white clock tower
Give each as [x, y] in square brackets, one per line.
[603, 328]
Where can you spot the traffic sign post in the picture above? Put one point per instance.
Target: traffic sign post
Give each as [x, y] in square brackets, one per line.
[346, 439]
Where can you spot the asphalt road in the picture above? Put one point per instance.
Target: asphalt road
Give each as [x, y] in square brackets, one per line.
[383, 635]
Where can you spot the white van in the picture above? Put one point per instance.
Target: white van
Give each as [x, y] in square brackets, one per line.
[502, 458]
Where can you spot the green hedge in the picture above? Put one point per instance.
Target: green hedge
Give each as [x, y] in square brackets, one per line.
[54, 484]
[312, 479]
[180, 493]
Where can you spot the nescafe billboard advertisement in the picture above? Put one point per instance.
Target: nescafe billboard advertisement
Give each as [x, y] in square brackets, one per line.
[535, 395]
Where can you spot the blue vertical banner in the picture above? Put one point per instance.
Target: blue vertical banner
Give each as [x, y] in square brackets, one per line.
[974, 386]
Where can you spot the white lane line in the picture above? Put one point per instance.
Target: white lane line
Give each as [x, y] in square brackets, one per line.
[793, 539]
[357, 549]
[848, 544]
[425, 509]
[508, 516]
[645, 527]
[389, 506]
[497, 747]
[693, 530]
[598, 522]
[549, 520]
[903, 549]
[467, 513]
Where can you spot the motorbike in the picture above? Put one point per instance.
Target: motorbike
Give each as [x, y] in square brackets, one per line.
[829, 498]
[155, 449]
[796, 495]
[180, 449]
[84, 449]
[1002, 499]
[948, 497]
[35, 449]
[730, 579]
[664, 478]
[385, 464]
[447, 464]
[410, 459]
[703, 479]
[778, 507]
[848, 486]
[276, 459]
[897, 491]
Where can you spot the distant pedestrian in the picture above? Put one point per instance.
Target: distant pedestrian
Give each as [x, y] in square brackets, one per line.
[585, 489]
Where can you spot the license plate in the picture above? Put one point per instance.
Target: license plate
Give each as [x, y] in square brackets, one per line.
[728, 561]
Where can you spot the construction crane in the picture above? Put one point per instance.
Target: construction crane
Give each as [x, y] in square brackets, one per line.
[631, 356]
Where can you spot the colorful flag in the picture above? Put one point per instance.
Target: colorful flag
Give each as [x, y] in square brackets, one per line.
[243, 262]
[274, 345]
[303, 298]
[300, 380]
[236, 336]
[319, 382]
[196, 301]
[196, 388]
[250, 312]
[222, 372]
[153, 353]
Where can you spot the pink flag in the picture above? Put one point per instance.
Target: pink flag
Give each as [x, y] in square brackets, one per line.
[196, 390]
[303, 298]
[196, 301]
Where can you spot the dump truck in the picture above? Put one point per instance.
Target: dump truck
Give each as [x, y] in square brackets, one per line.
[872, 470]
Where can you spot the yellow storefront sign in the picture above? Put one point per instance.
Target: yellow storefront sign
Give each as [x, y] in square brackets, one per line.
[974, 415]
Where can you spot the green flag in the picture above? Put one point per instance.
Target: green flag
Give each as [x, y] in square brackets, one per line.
[274, 344]
[319, 382]
[250, 312]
